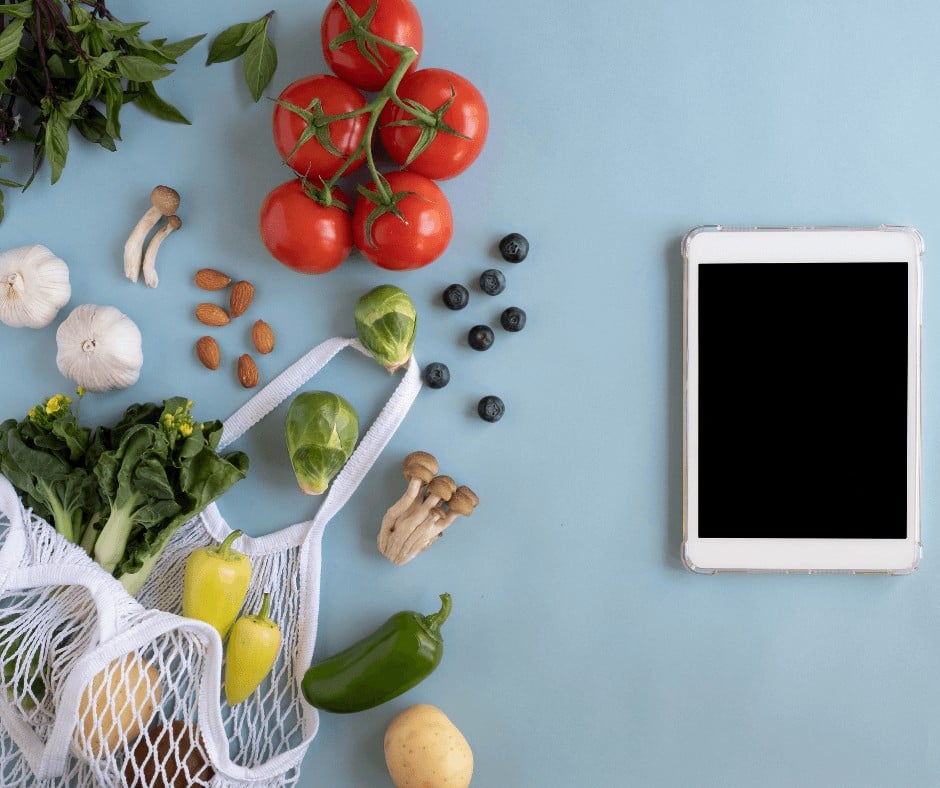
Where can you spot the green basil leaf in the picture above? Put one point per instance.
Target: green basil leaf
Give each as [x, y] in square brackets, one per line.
[105, 59]
[60, 68]
[113, 101]
[260, 63]
[10, 38]
[149, 101]
[94, 128]
[70, 108]
[122, 30]
[253, 30]
[140, 69]
[228, 44]
[7, 72]
[177, 49]
[20, 10]
[56, 142]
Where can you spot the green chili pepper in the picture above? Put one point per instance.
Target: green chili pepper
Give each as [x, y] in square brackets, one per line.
[393, 659]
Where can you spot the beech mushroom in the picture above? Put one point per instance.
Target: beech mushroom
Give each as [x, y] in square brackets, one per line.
[150, 258]
[429, 505]
[164, 201]
[419, 468]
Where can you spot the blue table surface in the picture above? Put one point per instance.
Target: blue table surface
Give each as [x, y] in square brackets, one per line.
[580, 652]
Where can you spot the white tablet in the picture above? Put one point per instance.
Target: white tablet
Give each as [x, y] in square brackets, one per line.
[802, 444]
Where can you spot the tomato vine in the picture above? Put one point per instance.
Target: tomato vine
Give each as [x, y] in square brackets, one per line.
[368, 43]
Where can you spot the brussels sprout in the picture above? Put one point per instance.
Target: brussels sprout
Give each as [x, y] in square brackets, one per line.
[322, 430]
[385, 322]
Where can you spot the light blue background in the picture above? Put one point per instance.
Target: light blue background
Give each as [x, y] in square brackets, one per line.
[579, 653]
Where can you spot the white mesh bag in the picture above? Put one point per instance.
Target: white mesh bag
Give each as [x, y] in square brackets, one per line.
[99, 688]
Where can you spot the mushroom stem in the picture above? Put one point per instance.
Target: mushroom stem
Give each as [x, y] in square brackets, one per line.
[414, 522]
[150, 258]
[164, 201]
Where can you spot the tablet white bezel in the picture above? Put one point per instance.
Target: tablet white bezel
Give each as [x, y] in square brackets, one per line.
[718, 245]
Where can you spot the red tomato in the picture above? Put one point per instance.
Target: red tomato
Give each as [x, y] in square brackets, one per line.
[394, 20]
[336, 97]
[303, 234]
[419, 239]
[456, 104]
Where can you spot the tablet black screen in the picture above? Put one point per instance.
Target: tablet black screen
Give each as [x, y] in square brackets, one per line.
[803, 400]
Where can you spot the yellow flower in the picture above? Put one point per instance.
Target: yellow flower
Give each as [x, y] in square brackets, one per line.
[56, 403]
[186, 430]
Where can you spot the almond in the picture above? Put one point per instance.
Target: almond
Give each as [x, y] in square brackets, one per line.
[211, 315]
[240, 298]
[262, 336]
[207, 350]
[247, 371]
[210, 279]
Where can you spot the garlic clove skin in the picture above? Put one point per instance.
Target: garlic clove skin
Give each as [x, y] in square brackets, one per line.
[34, 286]
[99, 348]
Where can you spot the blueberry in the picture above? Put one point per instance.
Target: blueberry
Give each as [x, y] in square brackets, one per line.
[436, 375]
[492, 282]
[514, 248]
[456, 297]
[480, 337]
[491, 408]
[512, 319]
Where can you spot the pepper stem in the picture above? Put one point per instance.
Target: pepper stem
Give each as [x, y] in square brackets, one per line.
[225, 550]
[265, 607]
[436, 620]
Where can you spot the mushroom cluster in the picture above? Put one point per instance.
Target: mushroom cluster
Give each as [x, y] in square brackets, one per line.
[430, 504]
[164, 201]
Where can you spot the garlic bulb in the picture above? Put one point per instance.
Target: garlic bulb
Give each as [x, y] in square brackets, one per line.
[34, 286]
[99, 348]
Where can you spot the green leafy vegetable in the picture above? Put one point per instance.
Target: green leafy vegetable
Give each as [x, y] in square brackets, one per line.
[43, 457]
[322, 429]
[386, 322]
[71, 63]
[157, 470]
[25, 686]
[120, 492]
[251, 40]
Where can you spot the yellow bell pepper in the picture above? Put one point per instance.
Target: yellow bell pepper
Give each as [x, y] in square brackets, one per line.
[215, 583]
[250, 653]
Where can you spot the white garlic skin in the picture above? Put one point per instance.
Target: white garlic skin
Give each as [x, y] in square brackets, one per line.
[34, 286]
[100, 348]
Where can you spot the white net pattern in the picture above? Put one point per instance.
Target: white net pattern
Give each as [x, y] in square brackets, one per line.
[137, 719]
[98, 688]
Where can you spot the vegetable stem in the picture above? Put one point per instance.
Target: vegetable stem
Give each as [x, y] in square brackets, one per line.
[112, 541]
[225, 549]
[436, 620]
[265, 607]
[407, 56]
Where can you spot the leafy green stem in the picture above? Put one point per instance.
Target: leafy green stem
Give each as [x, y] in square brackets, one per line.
[41, 45]
[73, 39]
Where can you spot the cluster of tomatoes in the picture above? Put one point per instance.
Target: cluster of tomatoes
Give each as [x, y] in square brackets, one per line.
[431, 122]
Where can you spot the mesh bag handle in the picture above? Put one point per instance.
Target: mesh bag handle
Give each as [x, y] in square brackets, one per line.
[29, 560]
[362, 459]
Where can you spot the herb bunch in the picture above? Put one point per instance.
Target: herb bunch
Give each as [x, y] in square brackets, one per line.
[72, 63]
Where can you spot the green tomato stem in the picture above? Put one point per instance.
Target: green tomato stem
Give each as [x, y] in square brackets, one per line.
[407, 56]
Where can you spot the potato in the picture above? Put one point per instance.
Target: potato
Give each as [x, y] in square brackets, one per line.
[424, 749]
[117, 704]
